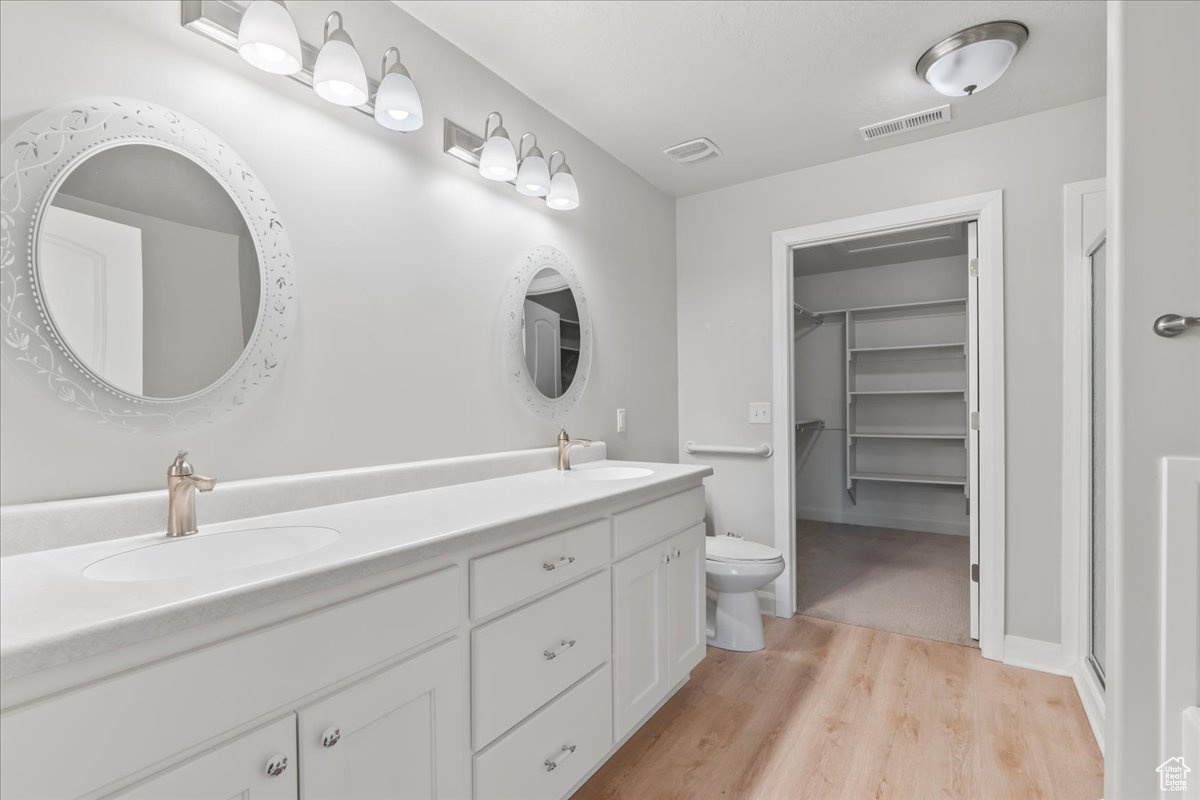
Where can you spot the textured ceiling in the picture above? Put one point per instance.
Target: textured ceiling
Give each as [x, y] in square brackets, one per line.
[777, 85]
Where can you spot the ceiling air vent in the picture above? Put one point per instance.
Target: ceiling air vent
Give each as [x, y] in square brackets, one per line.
[910, 122]
[690, 152]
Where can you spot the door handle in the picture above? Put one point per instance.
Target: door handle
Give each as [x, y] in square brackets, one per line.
[1171, 325]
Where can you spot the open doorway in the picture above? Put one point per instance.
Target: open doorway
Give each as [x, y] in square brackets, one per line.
[883, 368]
[889, 473]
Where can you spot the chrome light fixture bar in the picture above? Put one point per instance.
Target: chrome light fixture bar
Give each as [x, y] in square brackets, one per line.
[219, 20]
[561, 193]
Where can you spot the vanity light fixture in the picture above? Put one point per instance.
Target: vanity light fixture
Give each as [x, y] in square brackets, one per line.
[497, 159]
[267, 38]
[338, 75]
[533, 176]
[397, 103]
[564, 194]
[972, 59]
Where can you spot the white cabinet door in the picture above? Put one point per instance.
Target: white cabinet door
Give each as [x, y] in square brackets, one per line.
[640, 635]
[686, 603]
[261, 765]
[401, 733]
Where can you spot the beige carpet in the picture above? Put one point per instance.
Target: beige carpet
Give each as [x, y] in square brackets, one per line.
[901, 581]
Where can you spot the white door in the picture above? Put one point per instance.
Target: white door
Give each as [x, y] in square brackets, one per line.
[686, 605]
[973, 500]
[260, 765]
[543, 344]
[640, 635]
[401, 733]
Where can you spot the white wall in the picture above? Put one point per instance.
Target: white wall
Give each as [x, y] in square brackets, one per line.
[402, 253]
[820, 392]
[724, 284]
[1153, 243]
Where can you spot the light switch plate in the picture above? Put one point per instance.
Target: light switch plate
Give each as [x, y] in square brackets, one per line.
[760, 413]
[620, 420]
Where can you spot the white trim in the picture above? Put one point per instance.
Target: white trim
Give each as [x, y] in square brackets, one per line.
[1091, 695]
[1076, 434]
[766, 602]
[1036, 654]
[903, 523]
[1179, 602]
[987, 208]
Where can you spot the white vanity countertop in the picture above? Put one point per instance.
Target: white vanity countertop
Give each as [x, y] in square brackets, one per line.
[50, 614]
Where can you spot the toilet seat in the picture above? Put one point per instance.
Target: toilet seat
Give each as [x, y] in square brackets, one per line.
[732, 549]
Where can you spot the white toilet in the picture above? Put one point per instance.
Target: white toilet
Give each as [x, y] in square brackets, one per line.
[735, 570]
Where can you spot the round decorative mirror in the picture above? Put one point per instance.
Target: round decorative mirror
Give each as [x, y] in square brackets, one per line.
[146, 277]
[550, 338]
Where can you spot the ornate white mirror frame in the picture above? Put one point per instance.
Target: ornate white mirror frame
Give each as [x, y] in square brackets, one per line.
[546, 407]
[36, 159]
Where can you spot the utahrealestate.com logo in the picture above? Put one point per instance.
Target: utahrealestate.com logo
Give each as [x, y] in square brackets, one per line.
[1172, 775]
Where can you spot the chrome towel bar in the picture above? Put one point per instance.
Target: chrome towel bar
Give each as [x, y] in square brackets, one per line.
[764, 450]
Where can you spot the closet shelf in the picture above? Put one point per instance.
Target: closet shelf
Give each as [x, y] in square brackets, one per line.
[911, 392]
[899, 477]
[938, 436]
[911, 347]
[896, 307]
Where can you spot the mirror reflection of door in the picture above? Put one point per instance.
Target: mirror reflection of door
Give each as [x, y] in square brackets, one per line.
[1097, 539]
[542, 337]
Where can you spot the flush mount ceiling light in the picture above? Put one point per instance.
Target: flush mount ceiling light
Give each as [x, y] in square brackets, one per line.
[972, 59]
[564, 194]
[267, 38]
[397, 104]
[338, 75]
[533, 176]
[497, 159]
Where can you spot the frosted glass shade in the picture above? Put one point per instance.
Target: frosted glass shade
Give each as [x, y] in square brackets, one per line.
[267, 38]
[498, 159]
[564, 194]
[972, 68]
[533, 177]
[338, 75]
[397, 104]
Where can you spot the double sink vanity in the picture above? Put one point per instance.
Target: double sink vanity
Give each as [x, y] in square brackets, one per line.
[493, 638]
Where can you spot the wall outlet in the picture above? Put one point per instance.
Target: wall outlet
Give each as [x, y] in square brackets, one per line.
[760, 413]
[620, 420]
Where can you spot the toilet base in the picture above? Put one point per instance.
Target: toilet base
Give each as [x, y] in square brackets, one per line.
[737, 623]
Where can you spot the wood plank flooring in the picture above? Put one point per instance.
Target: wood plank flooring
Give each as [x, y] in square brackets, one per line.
[830, 710]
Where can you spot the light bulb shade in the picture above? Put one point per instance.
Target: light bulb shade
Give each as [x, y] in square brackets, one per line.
[267, 38]
[498, 159]
[973, 59]
[533, 176]
[397, 104]
[338, 75]
[564, 194]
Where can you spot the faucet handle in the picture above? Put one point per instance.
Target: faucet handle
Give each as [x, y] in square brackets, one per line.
[180, 467]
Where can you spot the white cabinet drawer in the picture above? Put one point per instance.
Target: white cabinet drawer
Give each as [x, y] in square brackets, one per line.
[501, 579]
[524, 659]
[573, 733]
[638, 527]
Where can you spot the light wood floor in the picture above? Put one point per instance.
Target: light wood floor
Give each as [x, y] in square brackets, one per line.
[830, 710]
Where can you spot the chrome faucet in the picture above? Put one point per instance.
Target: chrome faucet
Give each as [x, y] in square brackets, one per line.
[182, 485]
[564, 448]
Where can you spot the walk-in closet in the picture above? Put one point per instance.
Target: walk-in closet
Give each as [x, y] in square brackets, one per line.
[884, 377]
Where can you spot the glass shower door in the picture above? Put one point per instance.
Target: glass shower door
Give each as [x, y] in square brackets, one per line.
[1099, 445]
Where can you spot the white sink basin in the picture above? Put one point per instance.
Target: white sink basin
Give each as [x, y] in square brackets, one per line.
[608, 473]
[200, 554]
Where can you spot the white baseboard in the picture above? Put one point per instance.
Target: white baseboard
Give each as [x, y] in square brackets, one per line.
[1036, 654]
[766, 602]
[1092, 697]
[902, 523]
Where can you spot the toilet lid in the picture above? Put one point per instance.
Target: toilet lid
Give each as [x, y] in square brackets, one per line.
[731, 548]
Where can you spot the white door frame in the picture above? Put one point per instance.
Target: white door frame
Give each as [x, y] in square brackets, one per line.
[987, 208]
[1083, 222]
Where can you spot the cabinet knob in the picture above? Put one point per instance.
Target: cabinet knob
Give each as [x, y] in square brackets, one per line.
[561, 756]
[563, 646]
[666, 558]
[678, 553]
[562, 562]
[277, 765]
[331, 736]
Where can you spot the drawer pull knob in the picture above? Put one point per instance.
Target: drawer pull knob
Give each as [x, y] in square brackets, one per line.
[562, 562]
[552, 763]
[666, 558]
[277, 765]
[563, 646]
[678, 553]
[331, 737]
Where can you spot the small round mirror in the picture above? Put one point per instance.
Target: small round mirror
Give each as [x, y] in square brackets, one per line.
[552, 332]
[149, 271]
